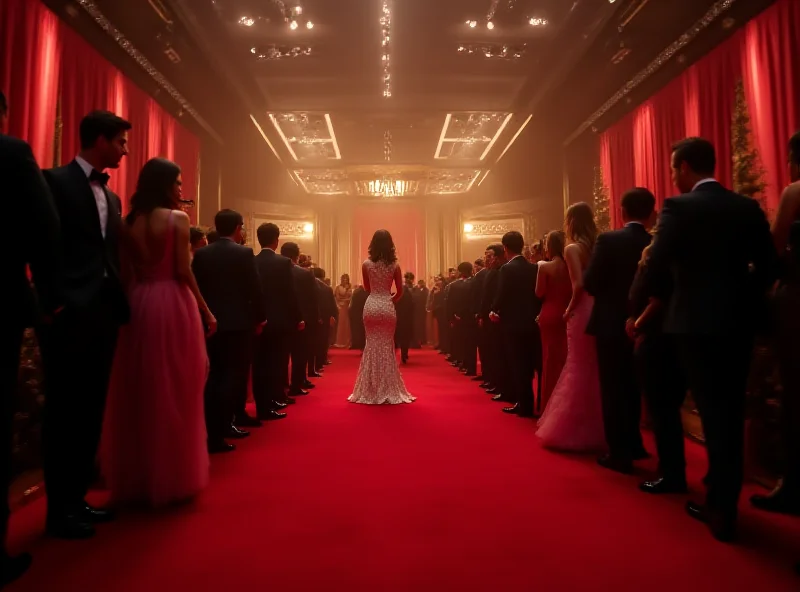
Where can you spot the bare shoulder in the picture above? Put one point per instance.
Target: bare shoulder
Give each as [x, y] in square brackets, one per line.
[180, 217]
[573, 249]
[791, 194]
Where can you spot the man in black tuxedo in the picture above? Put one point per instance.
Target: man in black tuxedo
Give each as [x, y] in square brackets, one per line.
[420, 297]
[494, 366]
[328, 313]
[608, 278]
[25, 197]
[473, 344]
[516, 307]
[78, 347]
[462, 319]
[227, 277]
[717, 248]
[272, 347]
[404, 307]
[305, 290]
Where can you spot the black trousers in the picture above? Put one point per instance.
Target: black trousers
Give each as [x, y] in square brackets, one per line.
[270, 367]
[300, 349]
[497, 362]
[622, 400]
[229, 356]
[10, 344]
[482, 336]
[444, 332]
[521, 354]
[664, 386]
[469, 339]
[316, 347]
[77, 353]
[717, 369]
[787, 344]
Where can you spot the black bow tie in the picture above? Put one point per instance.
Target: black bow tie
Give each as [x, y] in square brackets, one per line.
[97, 177]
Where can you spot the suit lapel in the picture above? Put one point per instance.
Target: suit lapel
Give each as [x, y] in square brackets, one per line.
[84, 190]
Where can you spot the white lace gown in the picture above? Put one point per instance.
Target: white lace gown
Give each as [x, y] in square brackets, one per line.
[379, 381]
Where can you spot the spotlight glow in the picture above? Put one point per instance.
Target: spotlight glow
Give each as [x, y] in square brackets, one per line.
[468, 228]
[490, 25]
[293, 25]
[309, 25]
[308, 228]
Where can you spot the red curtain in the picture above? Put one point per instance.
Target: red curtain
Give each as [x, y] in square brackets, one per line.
[406, 223]
[772, 85]
[636, 149]
[43, 60]
[30, 47]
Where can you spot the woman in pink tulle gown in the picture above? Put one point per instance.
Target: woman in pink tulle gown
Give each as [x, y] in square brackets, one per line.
[573, 419]
[154, 437]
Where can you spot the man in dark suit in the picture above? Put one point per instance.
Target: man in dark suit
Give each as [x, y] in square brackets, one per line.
[516, 308]
[420, 298]
[78, 348]
[608, 278]
[717, 248]
[475, 345]
[227, 278]
[462, 320]
[494, 364]
[305, 290]
[25, 196]
[328, 313]
[404, 330]
[271, 361]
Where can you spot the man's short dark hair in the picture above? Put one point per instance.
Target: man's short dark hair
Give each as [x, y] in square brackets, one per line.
[101, 123]
[227, 221]
[638, 203]
[698, 154]
[478, 262]
[794, 149]
[268, 234]
[409, 276]
[3, 104]
[318, 272]
[196, 234]
[290, 250]
[514, 242]
[465, 268]
[212, 236]
[496, 249]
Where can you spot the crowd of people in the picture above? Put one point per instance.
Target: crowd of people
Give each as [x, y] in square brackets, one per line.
[576, 334]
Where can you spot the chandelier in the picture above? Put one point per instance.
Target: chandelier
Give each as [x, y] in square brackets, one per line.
[390, 188]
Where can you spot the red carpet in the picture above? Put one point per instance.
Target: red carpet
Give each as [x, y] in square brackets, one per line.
[443, 494]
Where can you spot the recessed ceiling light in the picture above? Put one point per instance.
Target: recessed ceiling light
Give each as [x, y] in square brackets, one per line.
[293, 25]
[298, 10]
[309, 25]
[247, 21]
[472, 24]
[490, 25]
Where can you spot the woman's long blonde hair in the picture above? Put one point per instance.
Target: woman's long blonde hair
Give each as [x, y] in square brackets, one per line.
[579, 225]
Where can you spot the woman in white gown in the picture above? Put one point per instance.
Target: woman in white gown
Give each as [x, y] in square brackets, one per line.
[379, 381]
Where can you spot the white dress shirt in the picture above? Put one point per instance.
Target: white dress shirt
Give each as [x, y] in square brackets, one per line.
[99, 194]
[703, 181]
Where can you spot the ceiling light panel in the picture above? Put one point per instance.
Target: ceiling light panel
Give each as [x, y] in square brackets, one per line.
[323, 181]
[450, 181]
[470, 135]
[307, 136]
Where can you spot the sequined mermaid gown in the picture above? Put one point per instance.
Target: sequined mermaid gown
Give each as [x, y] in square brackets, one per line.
[379, 381]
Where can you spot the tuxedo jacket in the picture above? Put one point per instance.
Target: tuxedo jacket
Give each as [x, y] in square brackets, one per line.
[489, 293]
[277, 289]
[327, 302]
[716, 247]
[305, 289]
[35, 234]
[516, 301]
[227, 277]
[609, 277]
[90, 261]
[476, 293]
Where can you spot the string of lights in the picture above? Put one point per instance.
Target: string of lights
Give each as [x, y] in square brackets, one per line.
[387, 145]
[386, 53]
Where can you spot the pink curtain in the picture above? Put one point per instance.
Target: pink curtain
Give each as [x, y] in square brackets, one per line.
[30, 46]
[636, 150]
[406, 223]
[772, 85]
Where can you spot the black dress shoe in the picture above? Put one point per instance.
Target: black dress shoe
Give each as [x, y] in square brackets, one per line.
[493, 391]
[327, 363]
[290, 401]
[98, 515]
[277, 405]
[220, 447]
[478, 378]
[236, 434]
[515, 410]
[12, 568]
[271, 415]
[722, 527]
[779, 500]
[70, 527]
[619, 465]
[314, 375]
[664, 485]
[470, 373]
[297, 392]
[485, 385]
[309, 385]
[245, 421]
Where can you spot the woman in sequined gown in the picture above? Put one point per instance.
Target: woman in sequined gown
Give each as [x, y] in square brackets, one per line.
[379, 381]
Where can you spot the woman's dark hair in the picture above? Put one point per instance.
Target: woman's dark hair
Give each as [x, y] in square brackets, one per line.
[381, 247]
[196, 234]
[154, 188]
[554, 243]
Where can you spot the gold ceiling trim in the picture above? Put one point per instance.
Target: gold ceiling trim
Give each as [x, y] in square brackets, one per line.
[713, 13]
[102, 21]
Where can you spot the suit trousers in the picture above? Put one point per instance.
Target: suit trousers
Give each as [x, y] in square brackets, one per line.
[787, 343]
[10, 344]
[78, 355]
[300, 348]
[664, 386]
[270, 367]
[229, 357]
[469, 339]
[621, 398]
[482, 337]
[521, 355]
[717, 369]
